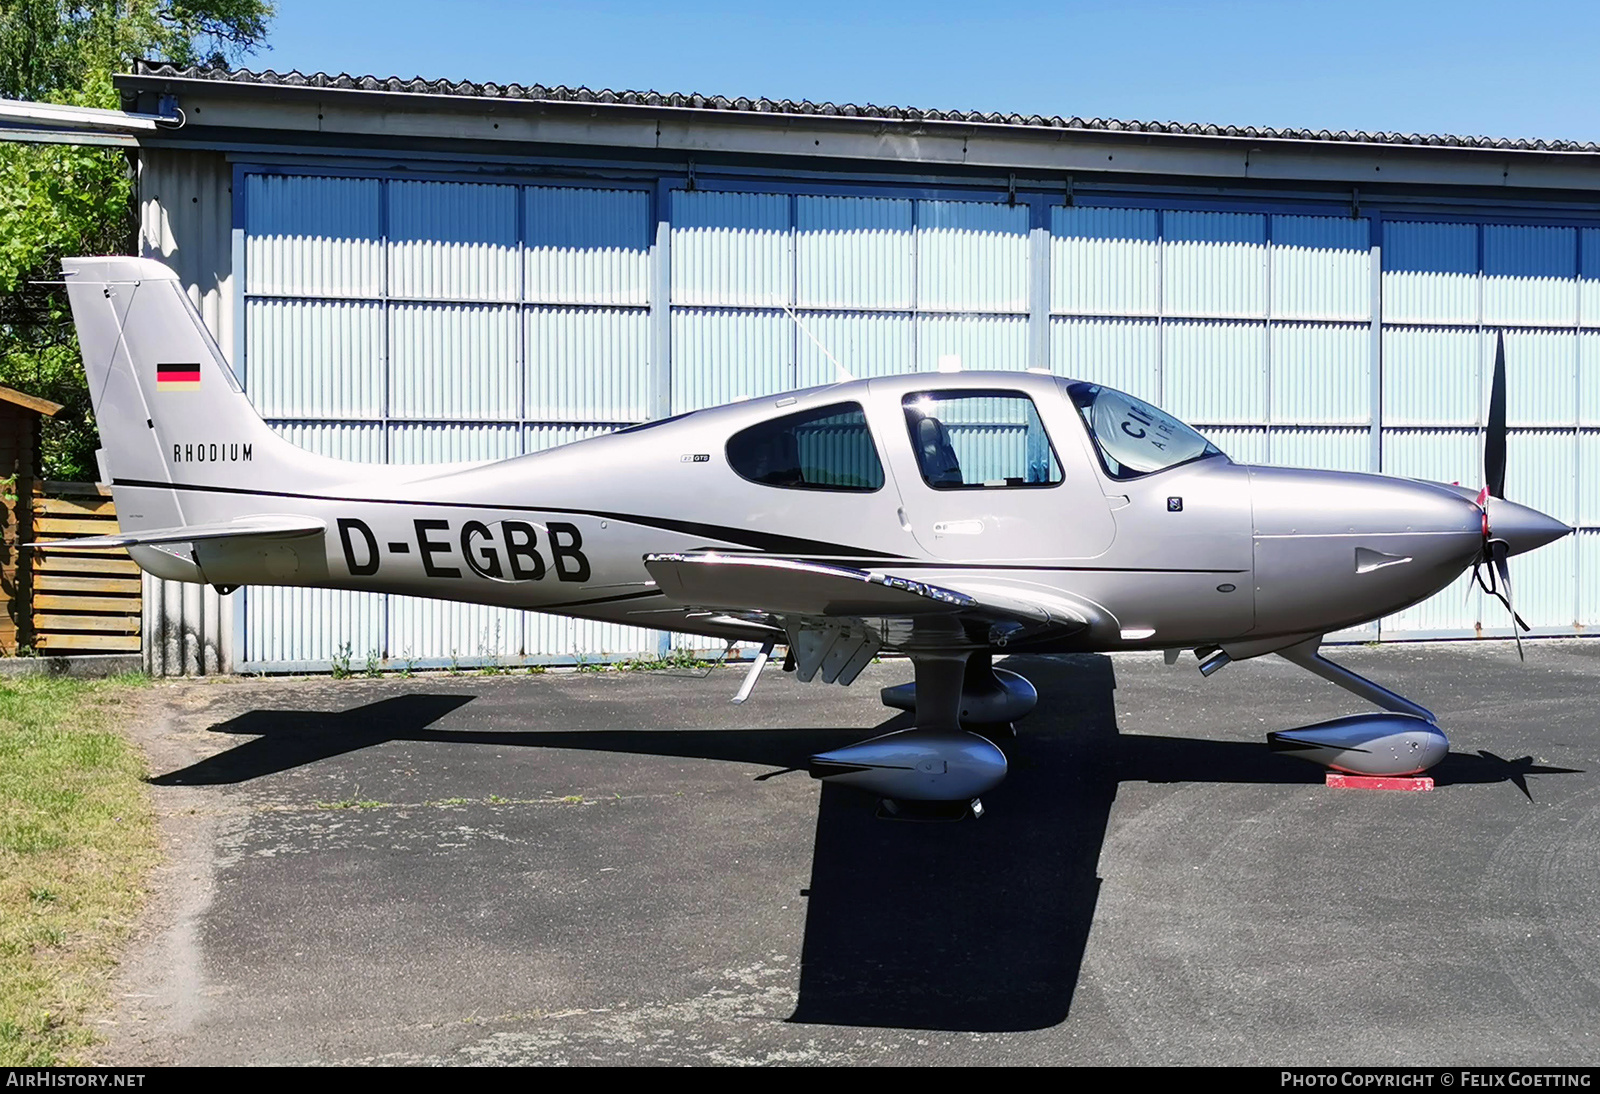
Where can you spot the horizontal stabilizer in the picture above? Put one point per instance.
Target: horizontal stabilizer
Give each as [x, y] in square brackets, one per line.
[263, 526]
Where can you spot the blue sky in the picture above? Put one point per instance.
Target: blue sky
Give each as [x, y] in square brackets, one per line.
[1526, 69]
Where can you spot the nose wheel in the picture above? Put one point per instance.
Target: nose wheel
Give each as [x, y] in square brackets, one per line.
[1402, 741]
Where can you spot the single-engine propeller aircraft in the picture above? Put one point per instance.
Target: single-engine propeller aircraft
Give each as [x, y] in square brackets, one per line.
[947, 516]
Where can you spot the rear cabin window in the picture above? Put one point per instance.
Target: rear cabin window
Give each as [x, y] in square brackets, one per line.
[974, 440]
[829, 448]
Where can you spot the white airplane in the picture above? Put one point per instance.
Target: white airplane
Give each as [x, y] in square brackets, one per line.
[944, 516]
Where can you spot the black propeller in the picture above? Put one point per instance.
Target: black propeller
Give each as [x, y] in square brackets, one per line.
[1494, 439]
[1496, 552]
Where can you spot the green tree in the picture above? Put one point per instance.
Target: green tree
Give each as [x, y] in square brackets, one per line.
[58, 200]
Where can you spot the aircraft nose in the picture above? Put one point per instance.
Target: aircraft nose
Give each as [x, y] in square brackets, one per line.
[1522, 528]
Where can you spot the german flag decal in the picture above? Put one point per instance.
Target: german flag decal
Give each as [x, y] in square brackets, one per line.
[178, 377]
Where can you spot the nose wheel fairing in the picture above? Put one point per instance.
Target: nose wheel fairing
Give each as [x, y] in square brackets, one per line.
[1403, 740]
[1367, 744]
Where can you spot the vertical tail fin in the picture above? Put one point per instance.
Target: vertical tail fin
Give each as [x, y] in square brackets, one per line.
[169, 409]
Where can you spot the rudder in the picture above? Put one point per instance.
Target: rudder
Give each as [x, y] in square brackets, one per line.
[169, 409]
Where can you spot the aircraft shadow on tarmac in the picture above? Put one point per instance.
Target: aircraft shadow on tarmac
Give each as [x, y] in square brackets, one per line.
[976, 927]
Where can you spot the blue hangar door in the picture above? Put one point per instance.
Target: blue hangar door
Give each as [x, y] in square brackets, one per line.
[391, 319]
[401, 321]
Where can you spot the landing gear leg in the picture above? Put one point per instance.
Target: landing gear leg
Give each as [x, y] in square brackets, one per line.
[1308, 655]
[984, 692]
[990, 700]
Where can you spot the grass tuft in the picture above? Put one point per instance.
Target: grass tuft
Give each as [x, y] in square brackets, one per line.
[77, 839]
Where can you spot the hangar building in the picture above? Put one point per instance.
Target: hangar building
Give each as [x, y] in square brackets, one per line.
[410, 270]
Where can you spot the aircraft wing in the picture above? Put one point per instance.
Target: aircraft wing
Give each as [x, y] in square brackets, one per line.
[837, 617]
[282, 526]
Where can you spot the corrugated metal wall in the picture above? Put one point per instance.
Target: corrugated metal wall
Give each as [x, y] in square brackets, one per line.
[1448, 290]
[397, 319]
[428, 322]
[1260, 329]
[185, 220]
[1256, 328]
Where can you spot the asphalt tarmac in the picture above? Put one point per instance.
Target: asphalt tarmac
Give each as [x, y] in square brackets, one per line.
[620, 868]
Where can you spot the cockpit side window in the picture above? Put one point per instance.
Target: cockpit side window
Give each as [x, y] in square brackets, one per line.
[975, 440]
[828, 448]
[1132, 437]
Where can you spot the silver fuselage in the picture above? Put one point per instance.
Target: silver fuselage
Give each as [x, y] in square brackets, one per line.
[1207, 552]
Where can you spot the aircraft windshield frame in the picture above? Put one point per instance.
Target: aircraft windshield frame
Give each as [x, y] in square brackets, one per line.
[1154, 435]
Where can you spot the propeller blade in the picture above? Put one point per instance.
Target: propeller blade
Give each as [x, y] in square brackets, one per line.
[1499, 554]
[1494, 438]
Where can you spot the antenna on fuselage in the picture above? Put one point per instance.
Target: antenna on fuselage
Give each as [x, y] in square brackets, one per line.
[841, 374]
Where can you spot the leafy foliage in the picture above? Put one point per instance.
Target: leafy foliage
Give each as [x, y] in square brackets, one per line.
[58, 200]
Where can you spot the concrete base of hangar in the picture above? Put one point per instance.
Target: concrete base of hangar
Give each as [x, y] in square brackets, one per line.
[83, 664]
[589, 868]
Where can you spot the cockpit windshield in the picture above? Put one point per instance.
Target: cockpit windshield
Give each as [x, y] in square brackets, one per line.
[1133, 437]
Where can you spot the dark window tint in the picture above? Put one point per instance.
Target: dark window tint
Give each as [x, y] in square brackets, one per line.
[829, 448]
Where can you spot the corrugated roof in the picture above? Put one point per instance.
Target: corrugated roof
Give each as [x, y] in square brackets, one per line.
[606, 97]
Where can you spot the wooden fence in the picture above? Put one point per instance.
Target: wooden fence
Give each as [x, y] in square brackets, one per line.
[82, 603]
[16, 522]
